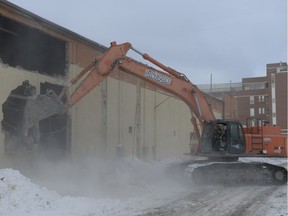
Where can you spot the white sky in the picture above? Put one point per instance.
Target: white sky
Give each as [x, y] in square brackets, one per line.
[229, 39]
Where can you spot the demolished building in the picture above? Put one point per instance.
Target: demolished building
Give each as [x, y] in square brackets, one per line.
[123, 116]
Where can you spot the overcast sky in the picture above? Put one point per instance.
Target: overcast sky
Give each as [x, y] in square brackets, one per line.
[229, 39]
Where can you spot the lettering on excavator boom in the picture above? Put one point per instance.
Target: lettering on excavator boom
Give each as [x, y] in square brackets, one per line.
[156, 76]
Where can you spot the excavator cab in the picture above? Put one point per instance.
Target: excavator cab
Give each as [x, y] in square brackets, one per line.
[223, 137]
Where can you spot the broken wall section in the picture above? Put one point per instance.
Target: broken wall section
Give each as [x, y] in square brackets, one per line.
[31, 49]
[107, 116]
[40, 52]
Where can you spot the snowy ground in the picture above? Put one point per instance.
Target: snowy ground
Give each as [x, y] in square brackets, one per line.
[127, 187]
[228, 201]
[89, 187]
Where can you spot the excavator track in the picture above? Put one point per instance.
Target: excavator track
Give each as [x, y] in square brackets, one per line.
[237, 173]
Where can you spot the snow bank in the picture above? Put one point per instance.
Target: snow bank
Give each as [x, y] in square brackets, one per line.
[133, 186]
[19, 194]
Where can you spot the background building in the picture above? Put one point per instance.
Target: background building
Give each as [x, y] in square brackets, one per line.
[225, 93]
[263, 98]
[266, 97]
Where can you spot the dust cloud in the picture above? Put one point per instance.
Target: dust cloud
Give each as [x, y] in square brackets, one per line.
[120, 178]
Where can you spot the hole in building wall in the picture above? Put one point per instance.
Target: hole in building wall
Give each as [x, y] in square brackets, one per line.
[12, 123]
[53, 133]
[31, 49]
[55, 130]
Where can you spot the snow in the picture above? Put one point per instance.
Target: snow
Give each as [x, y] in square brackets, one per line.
[276, 204]
[124, 187]
[133, 186]
[18, 194]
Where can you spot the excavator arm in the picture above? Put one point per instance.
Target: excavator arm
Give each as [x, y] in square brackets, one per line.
[97, 71]
[115, 57]
[170, 81]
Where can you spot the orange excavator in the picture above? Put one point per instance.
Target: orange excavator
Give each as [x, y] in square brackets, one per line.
[217, 139]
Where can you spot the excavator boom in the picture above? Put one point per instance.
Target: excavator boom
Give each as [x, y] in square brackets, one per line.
[115, 57]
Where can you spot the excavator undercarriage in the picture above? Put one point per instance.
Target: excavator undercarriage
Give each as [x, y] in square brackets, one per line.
[236, 173]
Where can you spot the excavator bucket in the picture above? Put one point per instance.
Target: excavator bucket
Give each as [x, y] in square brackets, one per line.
[22, 112]
[23, 109]
[39, 108]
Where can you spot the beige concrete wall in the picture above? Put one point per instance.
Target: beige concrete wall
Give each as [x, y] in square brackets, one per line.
[86, 120]
[164, 120]
[173, 127]
[164, 126]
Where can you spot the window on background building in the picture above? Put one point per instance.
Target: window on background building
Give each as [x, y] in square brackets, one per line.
[251, 99]
[257, 85]
[261, 85]
[261, 110]
[252, 112]
[261, 98]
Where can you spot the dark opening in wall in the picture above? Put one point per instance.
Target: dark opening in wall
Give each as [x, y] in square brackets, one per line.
[12, 123]
[55, 130]
[31, 49]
